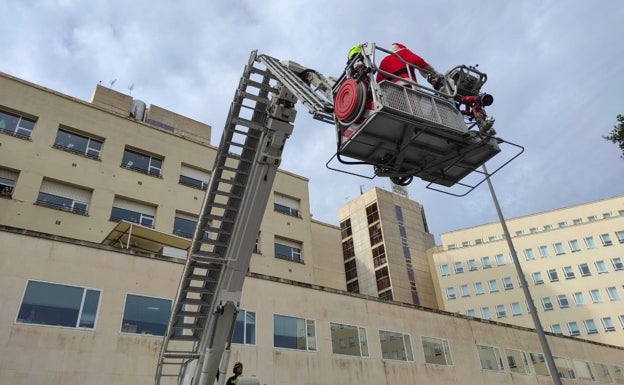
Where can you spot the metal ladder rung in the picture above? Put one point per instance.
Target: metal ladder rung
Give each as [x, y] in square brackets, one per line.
[181, 354]
[200, 290]
[178, 337]
[191, 314]
[188, 326]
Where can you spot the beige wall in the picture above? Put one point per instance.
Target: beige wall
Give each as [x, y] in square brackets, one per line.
[34, 354]
[607, 308]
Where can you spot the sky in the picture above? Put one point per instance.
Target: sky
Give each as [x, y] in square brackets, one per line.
[555, 69]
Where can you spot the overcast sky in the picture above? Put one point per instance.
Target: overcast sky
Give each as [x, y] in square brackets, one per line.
[555, 68]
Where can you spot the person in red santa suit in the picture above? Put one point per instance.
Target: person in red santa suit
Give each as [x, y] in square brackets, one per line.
[393, 65]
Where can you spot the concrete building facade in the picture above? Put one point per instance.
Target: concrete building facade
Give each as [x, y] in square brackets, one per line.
[384, 242]
[572, 259]
[98, 202]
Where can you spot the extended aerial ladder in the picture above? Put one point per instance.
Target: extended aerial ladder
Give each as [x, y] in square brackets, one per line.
[205, 307]
[376, 124]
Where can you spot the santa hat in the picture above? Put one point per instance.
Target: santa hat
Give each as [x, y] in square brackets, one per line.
[396, 47]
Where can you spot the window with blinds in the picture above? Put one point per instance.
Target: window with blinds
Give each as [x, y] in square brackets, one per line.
[64, 197]
[7, 182]
[286, 205]
[194, 177]
[132, 211]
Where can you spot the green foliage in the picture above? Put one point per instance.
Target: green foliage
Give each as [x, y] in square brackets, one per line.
[617, 134]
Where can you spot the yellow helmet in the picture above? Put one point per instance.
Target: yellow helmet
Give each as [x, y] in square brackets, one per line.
[354, 51]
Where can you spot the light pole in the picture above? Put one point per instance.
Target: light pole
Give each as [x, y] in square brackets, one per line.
[550, 362]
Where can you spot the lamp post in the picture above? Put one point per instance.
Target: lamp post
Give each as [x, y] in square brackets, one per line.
[550, 362]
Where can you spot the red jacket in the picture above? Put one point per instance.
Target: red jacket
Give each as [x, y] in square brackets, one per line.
[394, 66]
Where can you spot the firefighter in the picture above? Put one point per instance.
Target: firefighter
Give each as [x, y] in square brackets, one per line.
[393, 65]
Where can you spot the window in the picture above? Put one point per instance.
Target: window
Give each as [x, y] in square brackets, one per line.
[444, 270]
[353, 287]
[493, 285]
[539, 364]
[528, 254]
[507, 283]
[350, 270]
[286, 205]
[485, 262]
[479, 241]
[294, 333]
[592, 218]
[141, 162]
[436, 351]
[54, 304]
[288, 250]
[519, 233]
[490, 358]
[348, 249]
[7, 182]
[245, 328]
[605, 239]
[64, 197]
[589, 243]
[386, 295]
[379, 255]
[184, 225]
[548, 227]
[458, 267]
[621, 318]
[590, 326]
[383, 278]
[452, 246]
[574, 245]
[472, 265]
[492, 238]
[568, 273]
[478, 288]
[500, 259]
[345, 228]
[145, 315]
[466, 244]
[607, 215]
[78, 143]
[372, 214]
[556, 328]
[395, 346]
[620, 236]
[537, 278]
[564, 367]
[516, 309]
[558, 247]
[583, 370]
[485, 313]
[16, 125]
[543, 251]
[464, 291]
[562, 224]
[579, 299]
[573, 328]
[500, 311]
[471, 313]
[617, 263]
[577, 221]
[533, 230]
[601, 267]
[348, 340]
[517, 361]
[194, 177]
[553, 276]
[563, 302]
[595, 296]
[584, 269]
[602, 372]
[131, 211]
[613, 294]
[607, 324]
[374, 233]
[546, 304]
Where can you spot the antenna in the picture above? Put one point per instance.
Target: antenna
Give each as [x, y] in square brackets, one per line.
[130, 88]
[112, 83]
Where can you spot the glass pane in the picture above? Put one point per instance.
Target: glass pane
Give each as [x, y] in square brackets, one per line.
[344, 339]
[289, 332]
[146, 315]
[239, 328]
[311, 335]
[89, 309]
[250, 327]
[50, 304]
[490, 358]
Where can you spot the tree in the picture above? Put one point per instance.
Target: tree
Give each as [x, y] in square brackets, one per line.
[617, 134]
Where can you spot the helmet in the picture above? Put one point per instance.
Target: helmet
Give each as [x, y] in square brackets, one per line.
[354, 51]
[396, 47]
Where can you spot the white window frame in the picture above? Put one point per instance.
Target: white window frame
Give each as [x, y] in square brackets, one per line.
[472, 265]
[607, 324]
[584, 269]
[294, 247]
[500, 310]
[493, 285]
[617, 263]
[606, 239]
[450, 293]
[537, 278]
[302, 334]
[613, 294]
[458, 267]
[562, 301]
[574, 245]
[445, 271]
[500, 259]
[590, 326]
[589, 242]
[553, 275]
[558, 248]
[579, 298]
[568, 272]
[436, 351]
[573, 328]
[595, 296]
[287, 205]
[543, 251]
[361, 342]
[516, 309]
[407, 353]
[464, 291]
[486, 263]
[547, 304]
[601, 267]
[507, 283]
[478, 288]
[528, 254]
